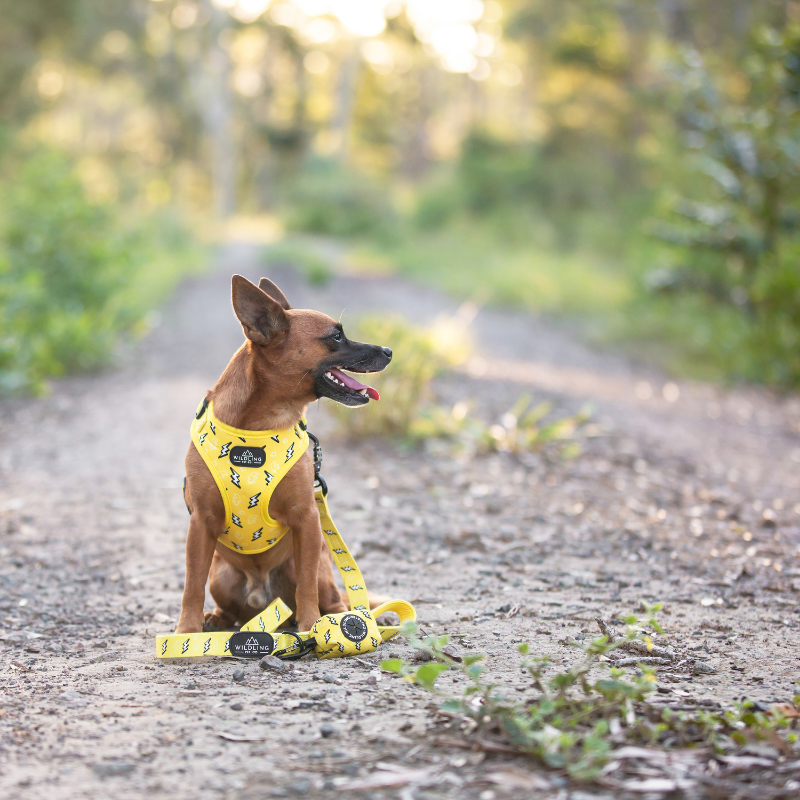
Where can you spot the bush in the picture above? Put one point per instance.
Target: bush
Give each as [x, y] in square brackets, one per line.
[73, 275]
[317, 270]
[329, 201]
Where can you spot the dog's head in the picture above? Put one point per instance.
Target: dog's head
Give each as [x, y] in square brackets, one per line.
[306, 350]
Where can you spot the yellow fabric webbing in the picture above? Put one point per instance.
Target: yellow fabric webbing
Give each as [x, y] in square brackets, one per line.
[188, 645]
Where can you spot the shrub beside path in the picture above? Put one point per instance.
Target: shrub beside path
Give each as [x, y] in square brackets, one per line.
[686, 494]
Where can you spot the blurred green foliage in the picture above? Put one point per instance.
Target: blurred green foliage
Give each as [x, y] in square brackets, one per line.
[632, 165]
[301, 256]
[73, 275]
[325, 199]
[406, 384]
[408, 409]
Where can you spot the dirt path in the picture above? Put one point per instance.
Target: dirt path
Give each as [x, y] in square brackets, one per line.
[691, 500]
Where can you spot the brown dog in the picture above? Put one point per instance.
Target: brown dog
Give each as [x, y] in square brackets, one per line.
[290, 358]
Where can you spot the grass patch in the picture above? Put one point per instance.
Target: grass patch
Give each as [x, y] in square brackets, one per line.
[480, 260]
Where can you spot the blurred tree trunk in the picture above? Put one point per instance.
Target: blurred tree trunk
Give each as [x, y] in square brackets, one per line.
[209, 78]
[342, 123]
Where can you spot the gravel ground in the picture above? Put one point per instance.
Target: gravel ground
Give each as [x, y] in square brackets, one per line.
[684, 494]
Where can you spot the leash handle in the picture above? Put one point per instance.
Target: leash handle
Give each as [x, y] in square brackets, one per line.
[402, 608]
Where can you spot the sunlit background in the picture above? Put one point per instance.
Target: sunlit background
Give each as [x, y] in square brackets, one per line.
[630, 165]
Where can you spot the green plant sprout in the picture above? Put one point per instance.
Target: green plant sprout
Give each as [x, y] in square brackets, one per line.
[576, 719]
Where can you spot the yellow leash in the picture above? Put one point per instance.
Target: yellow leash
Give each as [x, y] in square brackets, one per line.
[331, 636]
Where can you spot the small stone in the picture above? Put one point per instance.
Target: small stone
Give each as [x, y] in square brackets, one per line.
[329, 677]
[274, 664]
[327, 730]
[55, 647]
[113, 768]
[421, 655]
[123, 630]
[452, 652]
[235, 706]
[190, 685]
[238, 675]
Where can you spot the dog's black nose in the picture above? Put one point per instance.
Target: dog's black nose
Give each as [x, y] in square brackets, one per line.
[387, 351]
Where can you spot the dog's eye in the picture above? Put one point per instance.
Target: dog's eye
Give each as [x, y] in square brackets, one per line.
[338, 336]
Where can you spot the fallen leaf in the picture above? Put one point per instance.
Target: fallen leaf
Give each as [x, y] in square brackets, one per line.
[513, 778]
[651, 785]
[787, 709]
[235, 737]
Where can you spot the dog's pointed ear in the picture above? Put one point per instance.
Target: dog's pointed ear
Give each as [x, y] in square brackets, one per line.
[263, 319]
[268, 287]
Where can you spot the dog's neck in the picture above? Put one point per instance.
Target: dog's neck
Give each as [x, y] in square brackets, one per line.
[244, 397]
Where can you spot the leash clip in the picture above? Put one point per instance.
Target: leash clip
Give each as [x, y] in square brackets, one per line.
[319, 481]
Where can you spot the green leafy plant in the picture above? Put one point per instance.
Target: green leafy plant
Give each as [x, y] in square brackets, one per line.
[327, 200]
[577, 719]
[408, 411]
[420, 354]
[73, 274]
[315, 268]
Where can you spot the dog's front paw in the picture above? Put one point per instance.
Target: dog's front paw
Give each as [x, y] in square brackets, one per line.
[217, 622]
[188, 626]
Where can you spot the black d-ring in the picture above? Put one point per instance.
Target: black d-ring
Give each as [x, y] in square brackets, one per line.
[304, 647]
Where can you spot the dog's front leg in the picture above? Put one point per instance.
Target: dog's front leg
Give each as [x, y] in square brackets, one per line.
[201, 541]
[307, 538]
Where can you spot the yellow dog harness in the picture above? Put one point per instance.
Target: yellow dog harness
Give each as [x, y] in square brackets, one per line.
[250, 529]
[247, 467]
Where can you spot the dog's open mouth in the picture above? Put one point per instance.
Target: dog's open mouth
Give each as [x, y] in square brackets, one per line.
[350, 386]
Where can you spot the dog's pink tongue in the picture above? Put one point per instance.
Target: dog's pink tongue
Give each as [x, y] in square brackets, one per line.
[352, 383]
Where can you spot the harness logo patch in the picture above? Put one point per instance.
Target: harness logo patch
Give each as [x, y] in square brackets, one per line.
[354, 628]
[251, 645]
[247, 456]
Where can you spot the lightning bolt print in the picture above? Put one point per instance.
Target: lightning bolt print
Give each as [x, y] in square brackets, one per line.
[185, 647]
[237, 546]
[268, 477]
[331, 533]
[347, 569]
[275, 438]
[271, 541]
[207, 646]
[163, 647]
[235, 478]
[254, 500]
[261, 624]
[290, 451]
[226, 448]
[213, 429]
[236, 521]
[257, 534]
[203, 437]
[356, 588]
